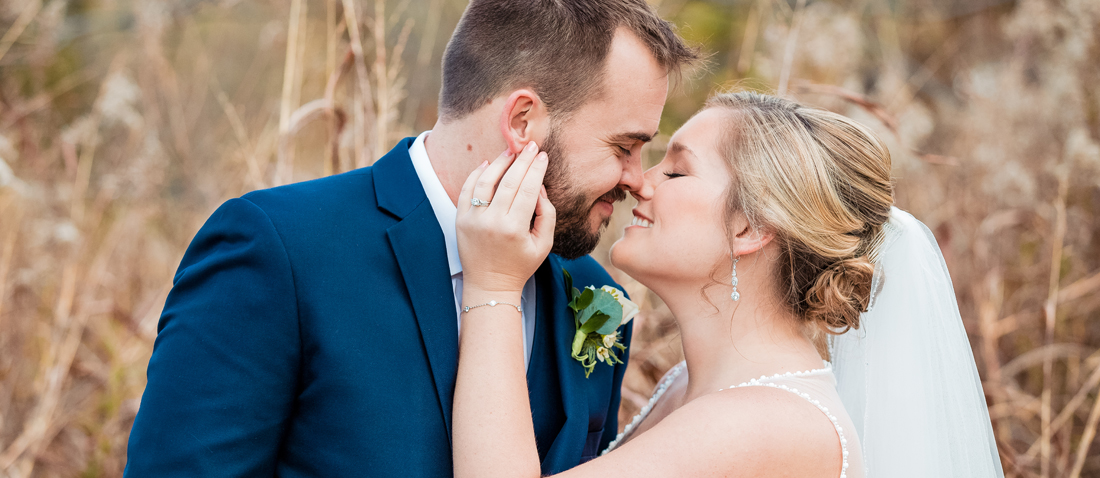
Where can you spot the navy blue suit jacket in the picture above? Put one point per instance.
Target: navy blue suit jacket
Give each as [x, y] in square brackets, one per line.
[311, 332]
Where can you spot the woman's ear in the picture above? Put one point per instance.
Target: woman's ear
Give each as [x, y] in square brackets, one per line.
[749, 239]
[524, 119]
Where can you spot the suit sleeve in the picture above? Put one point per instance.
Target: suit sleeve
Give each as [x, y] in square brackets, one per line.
[611, 425]
[224, 369]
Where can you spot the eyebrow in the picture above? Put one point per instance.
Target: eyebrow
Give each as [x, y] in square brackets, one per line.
[625, 137]
[676, 148]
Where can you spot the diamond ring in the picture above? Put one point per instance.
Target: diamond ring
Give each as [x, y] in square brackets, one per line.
[475, 202]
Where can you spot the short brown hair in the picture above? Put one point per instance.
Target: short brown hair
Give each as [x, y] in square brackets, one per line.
[555, 47]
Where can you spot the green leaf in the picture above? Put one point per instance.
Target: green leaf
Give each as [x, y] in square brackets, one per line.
[613, 358]
[594, 323]
[582, 301]
[603, 303]
[612, 323]
[568, 282]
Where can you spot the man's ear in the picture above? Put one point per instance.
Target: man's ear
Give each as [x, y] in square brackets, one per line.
[524, 119]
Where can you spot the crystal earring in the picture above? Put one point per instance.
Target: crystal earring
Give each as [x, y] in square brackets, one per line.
[736, 296]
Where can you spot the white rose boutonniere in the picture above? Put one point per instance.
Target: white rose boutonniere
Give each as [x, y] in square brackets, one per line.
[598, 314]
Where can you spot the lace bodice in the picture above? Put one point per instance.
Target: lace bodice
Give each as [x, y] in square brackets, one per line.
[818, 387]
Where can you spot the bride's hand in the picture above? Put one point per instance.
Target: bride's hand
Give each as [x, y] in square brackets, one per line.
[499, 245]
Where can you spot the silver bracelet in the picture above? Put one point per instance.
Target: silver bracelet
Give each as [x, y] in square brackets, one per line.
[491, 303]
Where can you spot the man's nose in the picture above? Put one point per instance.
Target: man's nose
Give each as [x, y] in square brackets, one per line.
[632, 178]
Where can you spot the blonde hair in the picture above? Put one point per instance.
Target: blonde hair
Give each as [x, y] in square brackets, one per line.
[821, 183]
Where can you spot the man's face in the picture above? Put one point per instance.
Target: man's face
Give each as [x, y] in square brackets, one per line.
[595, 154]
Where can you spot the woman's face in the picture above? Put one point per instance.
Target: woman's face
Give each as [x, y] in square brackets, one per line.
[679, 230]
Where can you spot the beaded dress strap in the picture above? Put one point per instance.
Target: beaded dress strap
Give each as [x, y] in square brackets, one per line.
[764, 381]
[665, 383]
[671, 377]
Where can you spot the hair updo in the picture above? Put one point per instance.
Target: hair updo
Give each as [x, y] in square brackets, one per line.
[821, 183]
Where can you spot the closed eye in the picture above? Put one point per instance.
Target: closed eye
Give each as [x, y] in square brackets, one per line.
[674, 175]
[623, 151]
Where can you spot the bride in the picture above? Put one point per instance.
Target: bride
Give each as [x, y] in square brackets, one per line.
[767, 226]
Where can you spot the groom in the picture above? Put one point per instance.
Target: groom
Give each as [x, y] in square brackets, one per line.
[312, 330]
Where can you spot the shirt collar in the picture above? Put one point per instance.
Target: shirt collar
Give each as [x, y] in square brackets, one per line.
[445, 210]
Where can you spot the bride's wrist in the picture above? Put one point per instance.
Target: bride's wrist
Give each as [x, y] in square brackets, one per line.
[476, 294]
[492, 283]
[475, 297]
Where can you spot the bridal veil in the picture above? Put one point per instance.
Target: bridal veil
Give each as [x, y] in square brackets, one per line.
[907, 376]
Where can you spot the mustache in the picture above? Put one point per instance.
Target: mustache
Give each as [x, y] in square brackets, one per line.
[613, 196]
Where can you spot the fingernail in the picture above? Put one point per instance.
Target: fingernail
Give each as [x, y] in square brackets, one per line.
[484, 163]
[507, 152]
[541, 157]
[531, 147]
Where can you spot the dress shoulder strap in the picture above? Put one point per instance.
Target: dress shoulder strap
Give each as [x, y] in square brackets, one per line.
[670, 377]
[789, 382]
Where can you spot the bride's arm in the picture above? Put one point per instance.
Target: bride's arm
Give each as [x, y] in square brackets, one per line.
[492, 430]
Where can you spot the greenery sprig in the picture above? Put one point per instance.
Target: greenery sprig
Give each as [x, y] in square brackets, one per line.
[598, 314]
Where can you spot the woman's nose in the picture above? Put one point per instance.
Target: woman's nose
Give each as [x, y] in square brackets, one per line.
[648, 183]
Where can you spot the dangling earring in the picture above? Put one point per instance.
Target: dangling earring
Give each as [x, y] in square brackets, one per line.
[736, 296]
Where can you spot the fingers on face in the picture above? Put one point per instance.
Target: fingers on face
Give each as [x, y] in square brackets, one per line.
[512, 184]
[467, 191]
[529, 187]
[486, 185]
[513, 178]
[545, 219]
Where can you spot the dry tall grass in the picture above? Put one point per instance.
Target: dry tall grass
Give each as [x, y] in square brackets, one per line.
[124, 123]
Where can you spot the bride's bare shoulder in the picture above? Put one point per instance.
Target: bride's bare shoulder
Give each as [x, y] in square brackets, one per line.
[767, 419]
[749, 431]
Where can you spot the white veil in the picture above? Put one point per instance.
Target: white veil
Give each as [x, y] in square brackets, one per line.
[907, 377]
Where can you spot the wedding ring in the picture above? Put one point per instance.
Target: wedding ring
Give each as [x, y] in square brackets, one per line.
[475, 202]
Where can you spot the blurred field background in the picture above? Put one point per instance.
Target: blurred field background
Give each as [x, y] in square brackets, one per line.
[125, 123]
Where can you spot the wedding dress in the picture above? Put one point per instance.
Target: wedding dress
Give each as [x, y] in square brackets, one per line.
[906, 399]
[817, 387]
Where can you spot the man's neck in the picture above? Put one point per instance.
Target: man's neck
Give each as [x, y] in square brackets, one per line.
[458, 147]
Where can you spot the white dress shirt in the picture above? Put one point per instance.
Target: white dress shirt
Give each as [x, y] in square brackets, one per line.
[445, 213]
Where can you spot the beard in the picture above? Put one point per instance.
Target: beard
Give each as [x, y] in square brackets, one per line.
[573, 234]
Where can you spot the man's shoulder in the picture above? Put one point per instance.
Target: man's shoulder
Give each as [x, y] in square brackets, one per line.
[354, 191]
[350, 187]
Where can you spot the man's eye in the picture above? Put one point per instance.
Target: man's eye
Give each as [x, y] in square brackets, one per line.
[622, 150]
[674, 175]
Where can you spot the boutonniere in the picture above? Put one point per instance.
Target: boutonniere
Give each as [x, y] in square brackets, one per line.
[598, 313]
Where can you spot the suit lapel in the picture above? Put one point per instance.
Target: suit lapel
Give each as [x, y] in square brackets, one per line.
[557, 392]
[421, 254]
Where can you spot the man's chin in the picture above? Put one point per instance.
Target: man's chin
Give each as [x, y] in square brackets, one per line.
[576, 237]
[574, 244]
